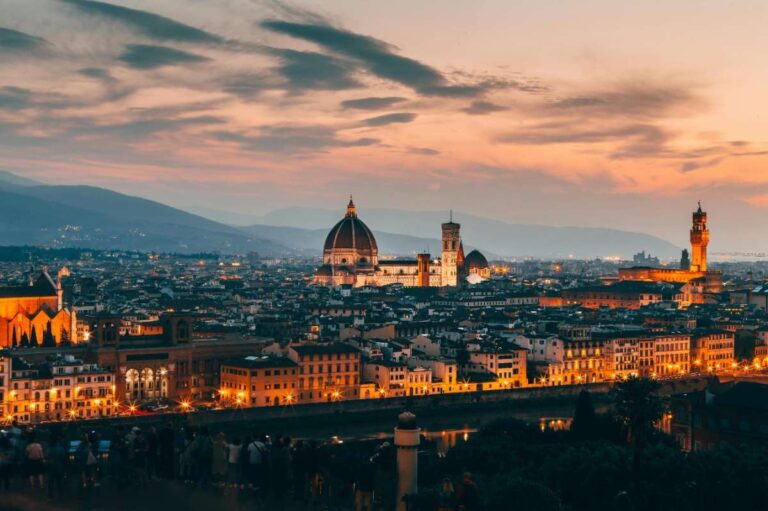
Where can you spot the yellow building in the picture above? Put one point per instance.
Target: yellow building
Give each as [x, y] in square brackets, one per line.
[390, 378]
[65, 389]
[259, 381]
[327, 372]
[712, 351]
[672, 355]
[508, 366]
[585, 362]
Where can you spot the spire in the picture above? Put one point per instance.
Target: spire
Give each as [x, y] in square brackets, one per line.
[351, 210]
[699, 210]
[450, 215]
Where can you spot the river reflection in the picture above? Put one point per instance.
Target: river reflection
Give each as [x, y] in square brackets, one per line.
[444, 439]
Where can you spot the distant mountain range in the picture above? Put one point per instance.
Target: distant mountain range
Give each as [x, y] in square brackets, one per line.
[492, 235]
[33, 213]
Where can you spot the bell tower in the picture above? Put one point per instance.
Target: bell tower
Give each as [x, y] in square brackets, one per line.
[450, 255]
[699, 240]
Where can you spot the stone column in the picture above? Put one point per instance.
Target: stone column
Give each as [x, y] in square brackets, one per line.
[407, 438]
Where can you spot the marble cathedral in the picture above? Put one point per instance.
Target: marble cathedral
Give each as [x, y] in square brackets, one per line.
[351, 257]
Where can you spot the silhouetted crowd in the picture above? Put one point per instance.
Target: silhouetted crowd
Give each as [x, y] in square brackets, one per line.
[65, 462]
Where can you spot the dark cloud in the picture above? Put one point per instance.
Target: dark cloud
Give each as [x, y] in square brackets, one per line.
[311, 70]
[383, 120]
[372, 103]
[248, 85]
[377, 56]
[638, 100]
[19, 98]
[293, 139]
[14, 98]
[627, 115]
[425, 151]
[140, 128]
[144, 56]
[482, 108]
[635, 140]
[570, 133]
[16, 42]
[147, 23]
[97, 73]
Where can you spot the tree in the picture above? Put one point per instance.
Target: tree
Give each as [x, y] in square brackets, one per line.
[33, 338]
[462, 358]
[49, 341]
[64, 336]
[14, 339]
[505, 492]
[638, 406]
[584, 425]
[24, 340]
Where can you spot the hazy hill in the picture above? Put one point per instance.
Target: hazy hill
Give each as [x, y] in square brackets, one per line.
[492, 235]
[82, 216]
[87, 216]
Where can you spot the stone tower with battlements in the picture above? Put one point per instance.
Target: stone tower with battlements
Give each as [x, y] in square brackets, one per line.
[699, 240]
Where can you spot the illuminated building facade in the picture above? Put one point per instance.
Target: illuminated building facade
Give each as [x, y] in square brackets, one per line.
[64, 389]
[327, 372]
[389, 377]
[351, 257]
[34, 315]
[585, 362]
[259, 381]
[672, 355]
[712, 350]
[508, 366]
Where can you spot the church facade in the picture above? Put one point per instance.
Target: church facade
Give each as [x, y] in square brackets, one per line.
[34, 315]
[351, 257]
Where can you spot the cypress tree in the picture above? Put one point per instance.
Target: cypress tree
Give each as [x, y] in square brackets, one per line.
[584, 419]
[33, 338]
[63, 336]
[24, 340]
[14, 340]
[49, 341]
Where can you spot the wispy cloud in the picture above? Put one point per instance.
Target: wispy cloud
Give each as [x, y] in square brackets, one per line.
[482, 108]
[371, 103]
[145, 56]
[383, 120]
[424, 151]
[378, 57]
[305, 70]
[147, 23]
[13, 41]
[293, 139]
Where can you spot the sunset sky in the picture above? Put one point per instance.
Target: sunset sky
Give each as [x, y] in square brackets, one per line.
[590, 113]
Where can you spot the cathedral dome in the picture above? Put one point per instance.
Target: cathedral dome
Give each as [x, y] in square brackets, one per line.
[475, 260]
[350, 242]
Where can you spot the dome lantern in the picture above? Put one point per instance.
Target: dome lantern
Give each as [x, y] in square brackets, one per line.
[351, 211]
